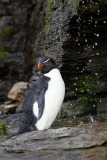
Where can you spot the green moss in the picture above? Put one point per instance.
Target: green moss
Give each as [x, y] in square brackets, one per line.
[49, 15]
[3, 52]
[76, 5]
[7, 32]
[84, 88]
[90, 6]
[3, 128]
[88, 105]
[86, 84]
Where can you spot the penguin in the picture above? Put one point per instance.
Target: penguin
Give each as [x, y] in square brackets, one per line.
[44, 99]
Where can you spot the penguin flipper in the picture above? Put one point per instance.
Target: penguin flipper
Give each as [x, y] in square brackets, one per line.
[41, 103]
[41, 96]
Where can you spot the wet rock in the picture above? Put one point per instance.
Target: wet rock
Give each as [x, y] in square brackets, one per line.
[10, 108]
[17, 38]
[17, 91]
[87, 137]
[76, 38]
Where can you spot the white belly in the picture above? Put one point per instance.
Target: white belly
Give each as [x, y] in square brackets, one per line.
[53, 99]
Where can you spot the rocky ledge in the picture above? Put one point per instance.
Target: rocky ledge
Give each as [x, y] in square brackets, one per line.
[83, 142]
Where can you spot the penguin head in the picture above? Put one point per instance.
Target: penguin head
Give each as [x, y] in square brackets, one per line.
[46, 64]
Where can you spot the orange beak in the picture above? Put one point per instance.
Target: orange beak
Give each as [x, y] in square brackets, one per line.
[40, 65]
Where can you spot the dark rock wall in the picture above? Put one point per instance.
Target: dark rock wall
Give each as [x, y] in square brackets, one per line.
[77, 39]
[73, 32]
[85, 57]
[20, 21]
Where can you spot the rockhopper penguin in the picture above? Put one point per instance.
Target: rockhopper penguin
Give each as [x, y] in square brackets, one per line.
[44, 99]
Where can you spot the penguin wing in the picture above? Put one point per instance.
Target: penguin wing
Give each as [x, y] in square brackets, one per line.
[36, 94]
[43, 86]
[41, 103]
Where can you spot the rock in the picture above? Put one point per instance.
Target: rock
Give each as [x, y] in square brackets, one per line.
[17, 91]
[89, 138]
[10, 108]
[71, 32]
[76, 38]
[17, 39]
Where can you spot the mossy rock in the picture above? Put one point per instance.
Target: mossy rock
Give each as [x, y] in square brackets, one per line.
[3, 52]
[7, 32]
[49, 15]
[3, 128]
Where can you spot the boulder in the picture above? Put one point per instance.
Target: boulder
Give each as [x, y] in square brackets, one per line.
[9, 108]
[17, 91]
[84, 141]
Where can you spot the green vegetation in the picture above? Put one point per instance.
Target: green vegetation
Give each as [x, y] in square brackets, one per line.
[7, 32]
[91, 7]
[86, 85]
[3, 52]
[84, 88]
[49, 14]
[85, 101]
[76, 5]
[3, 128]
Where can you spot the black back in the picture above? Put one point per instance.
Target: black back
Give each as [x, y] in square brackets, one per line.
[36, 94]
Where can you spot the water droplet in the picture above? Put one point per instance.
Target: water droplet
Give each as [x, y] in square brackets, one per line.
[97, 34]
[75, 84]
[104, 21]
[90, 60]
[85, 40]
[96, 74]
[96, 44]
[92, 46]
[91, 118]
[100, 100]
[77, 67]
[97, 54]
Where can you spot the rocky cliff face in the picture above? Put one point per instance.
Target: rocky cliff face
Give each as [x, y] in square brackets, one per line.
[73, 32]
[19, 25]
